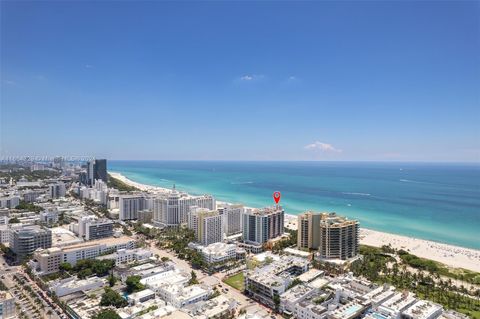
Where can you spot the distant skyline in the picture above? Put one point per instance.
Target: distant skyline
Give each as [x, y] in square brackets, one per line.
[349, 81]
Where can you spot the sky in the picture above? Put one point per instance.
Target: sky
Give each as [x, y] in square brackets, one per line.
[349, 81]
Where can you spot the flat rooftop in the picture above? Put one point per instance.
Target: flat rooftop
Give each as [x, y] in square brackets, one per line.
[104, 241]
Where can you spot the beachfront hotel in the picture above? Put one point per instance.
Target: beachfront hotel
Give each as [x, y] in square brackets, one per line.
[335, 237]
[232, 218]
[172, 209]
[261, 225]
[130, 205]
[207, 225]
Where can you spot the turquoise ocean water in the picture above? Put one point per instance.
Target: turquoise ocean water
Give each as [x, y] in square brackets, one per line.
[438, 202]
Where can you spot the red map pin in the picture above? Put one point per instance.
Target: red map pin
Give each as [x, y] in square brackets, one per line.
[276, 197]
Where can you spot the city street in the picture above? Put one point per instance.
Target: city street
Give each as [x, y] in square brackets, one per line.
[251, 306]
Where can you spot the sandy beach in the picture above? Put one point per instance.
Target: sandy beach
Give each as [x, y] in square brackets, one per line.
[140, 186]
[450, 255]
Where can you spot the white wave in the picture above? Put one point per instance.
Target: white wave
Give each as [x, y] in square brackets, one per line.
[410, 181]
[358, 194]
[240, 183]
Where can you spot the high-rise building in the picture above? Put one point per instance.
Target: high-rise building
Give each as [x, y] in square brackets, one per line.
[24, 240]
[130, 205]
[334, 236]
[96, 170]
[10, 201]
[58, 162]
[338, 237]
[57, 190]
[172, 209]
[207, 225]
[308, 236]
[232, 218]
[91, 227]
[261, 225]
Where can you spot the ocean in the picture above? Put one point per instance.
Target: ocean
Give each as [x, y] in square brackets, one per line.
[439, 202]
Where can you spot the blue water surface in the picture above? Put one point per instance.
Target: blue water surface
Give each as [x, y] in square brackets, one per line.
[438, 202]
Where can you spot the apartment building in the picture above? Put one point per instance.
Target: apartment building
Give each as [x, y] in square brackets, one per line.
[172, 209]
[26, 239]
[130, 205]
[207, 225]
[232, 217]
[47, 261]
[261, 225]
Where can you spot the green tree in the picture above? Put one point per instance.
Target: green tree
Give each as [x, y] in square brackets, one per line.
[112, 280]
[106, 314]
[14, 220]
[276, 301]
[63, 267]
[112, 298]
[193, 280]
[133, 284]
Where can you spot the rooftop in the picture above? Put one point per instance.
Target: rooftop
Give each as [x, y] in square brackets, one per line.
[423, 309]
[104, 241]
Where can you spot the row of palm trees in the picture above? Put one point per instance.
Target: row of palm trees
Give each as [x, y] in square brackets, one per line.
[383, 268]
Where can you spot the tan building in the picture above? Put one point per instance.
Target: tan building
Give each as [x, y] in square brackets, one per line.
[335, 237]
[308, 230]
[207, 224]
[47, 261]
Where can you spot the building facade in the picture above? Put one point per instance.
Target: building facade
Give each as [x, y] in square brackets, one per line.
[57, 190]
[207, 225]
[172, 209]
[338, 237]
[91, 228]
[47, 261]
[25, 240]
[232, 218]
[97, 170]
[261, 225]
[308, 236]
[130, 205]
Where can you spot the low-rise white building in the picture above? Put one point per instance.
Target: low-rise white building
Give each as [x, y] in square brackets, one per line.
[219, 253]
[71, 285]
[264, 283]
[422, 309]
[9, 201]
[141, 296]
[170, 277]
[126, 256]
[180, 296]
[47, 261]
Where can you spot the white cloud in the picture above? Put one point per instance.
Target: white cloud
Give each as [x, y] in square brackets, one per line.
[88, 66]
[322, 147]
[251, 77]
[9, 82]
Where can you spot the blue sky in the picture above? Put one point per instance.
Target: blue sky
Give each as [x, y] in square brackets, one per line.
[244, 81]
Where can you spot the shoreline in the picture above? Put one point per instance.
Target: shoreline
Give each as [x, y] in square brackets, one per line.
[450, 255]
